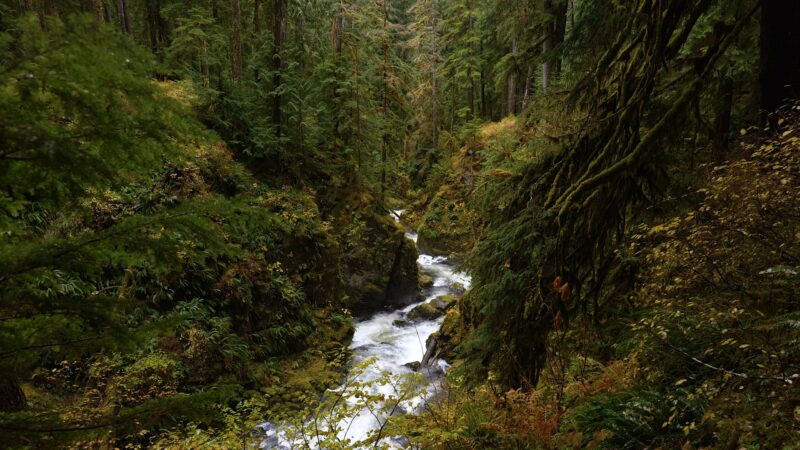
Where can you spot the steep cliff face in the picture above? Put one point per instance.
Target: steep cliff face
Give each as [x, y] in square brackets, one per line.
[380, 265]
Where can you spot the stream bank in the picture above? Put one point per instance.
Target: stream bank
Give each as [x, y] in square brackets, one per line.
[396, 343]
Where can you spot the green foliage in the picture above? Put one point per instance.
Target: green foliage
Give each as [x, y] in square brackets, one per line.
[633, 419]
[150, 277]
[137, 291]
[62, 134]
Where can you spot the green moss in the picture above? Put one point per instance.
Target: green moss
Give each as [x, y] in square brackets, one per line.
[425, 280]
[425, 311]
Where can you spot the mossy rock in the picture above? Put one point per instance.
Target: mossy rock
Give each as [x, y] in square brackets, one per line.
[414, 365]
[425, 311]
[457, 288]
[381, 268]
[425, 280]
[443, 302]
[443, 343]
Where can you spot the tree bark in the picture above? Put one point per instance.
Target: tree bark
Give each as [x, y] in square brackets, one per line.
[122, 11]
[156, 26]
[780, 47]
[46, 8]
[236, 40]
[434, 106]
[470, 75]
[256, 35]
[24, 6]
[277, 65]
[554, 30]
[483, 108]
[384, 101]
[511, 101]
[12, 399]
[100, 12]
[527, 92]
[219, 67]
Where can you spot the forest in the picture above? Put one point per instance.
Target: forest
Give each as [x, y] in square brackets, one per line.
[423, 224]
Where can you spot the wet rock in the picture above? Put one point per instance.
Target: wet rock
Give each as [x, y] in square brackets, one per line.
[381, 271]
[457, 288]
[435, 370]
[414, 365]
[425, 311]
[403, 286]
[425, 280]
[430, 351]
[271, 437]
[441, 344]
[401, 323]
[443, 302]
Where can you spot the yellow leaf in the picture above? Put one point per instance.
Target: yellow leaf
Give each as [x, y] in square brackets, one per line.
[680, 382]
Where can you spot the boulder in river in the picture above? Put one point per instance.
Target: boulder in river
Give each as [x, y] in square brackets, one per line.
[425, 280]
[430, 351]
[381, 271]
[442, 344]
[443, 302]
[425, 311]
[414, 365]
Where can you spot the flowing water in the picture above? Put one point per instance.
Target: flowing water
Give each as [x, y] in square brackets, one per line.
[391, 342]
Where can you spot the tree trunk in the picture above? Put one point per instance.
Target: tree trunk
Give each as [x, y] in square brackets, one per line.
[219, 67]
[277, 66]
[547, 65]
[106, 12]
[156, 26]
[560, 29]
[470, 75]
[554, 31]
[527, 92]
[434, 106]
[122, 11]
[46, 8]
[384, 101]
[780, 47]
[236, 40]
[484, 112]
[511, 102]
[256, 35]
[471, 98]
[100, 12]
[12, 399]
[453, 103]
[24, 6]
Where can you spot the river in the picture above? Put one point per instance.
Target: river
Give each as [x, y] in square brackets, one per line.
[391, 341]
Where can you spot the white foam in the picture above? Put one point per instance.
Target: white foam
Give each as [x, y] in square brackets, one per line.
[392, 342]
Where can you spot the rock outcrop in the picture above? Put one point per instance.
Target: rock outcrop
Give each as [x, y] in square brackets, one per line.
[381, 268]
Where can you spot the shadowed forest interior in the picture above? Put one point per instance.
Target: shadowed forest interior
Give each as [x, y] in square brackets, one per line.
[425, 224]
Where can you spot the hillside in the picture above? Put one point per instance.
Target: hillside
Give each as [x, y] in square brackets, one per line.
[423, 224]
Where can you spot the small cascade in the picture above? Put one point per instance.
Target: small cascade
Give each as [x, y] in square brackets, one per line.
[395, 343]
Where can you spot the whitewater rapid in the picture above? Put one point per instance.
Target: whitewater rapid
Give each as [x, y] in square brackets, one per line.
[392, 342]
